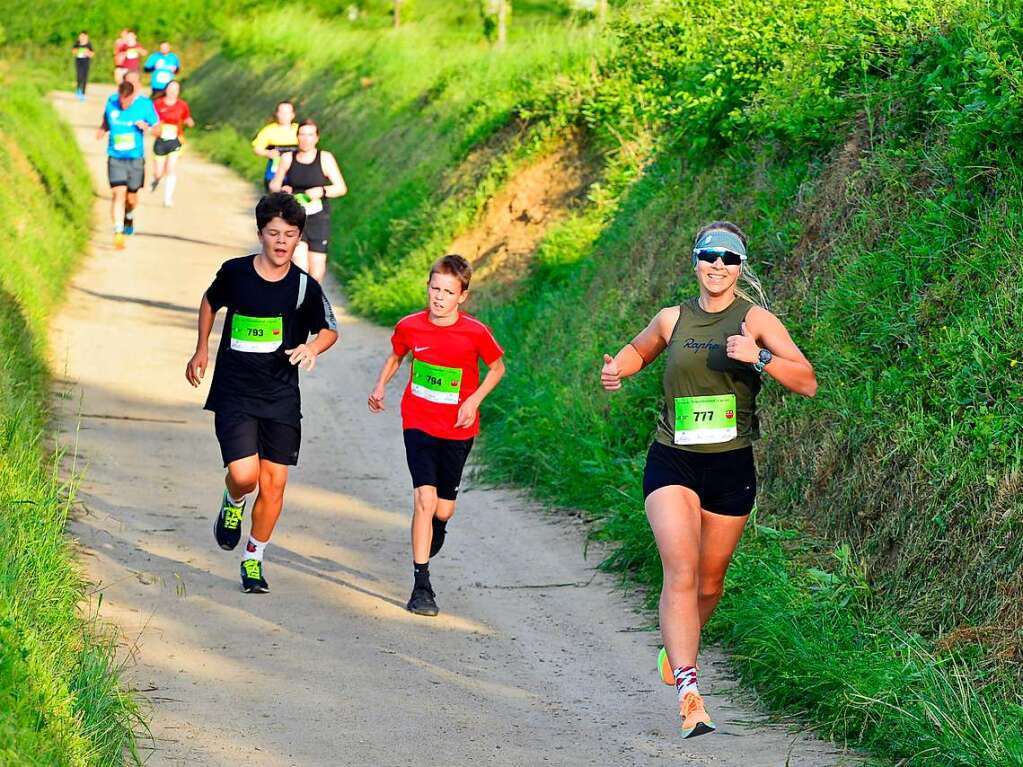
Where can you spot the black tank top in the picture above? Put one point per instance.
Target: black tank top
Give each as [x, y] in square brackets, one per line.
[302, 176]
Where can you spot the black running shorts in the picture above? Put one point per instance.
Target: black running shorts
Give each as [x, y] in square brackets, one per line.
[126, 172]
[317, 231]
[726, 483]
[165, 146]
[241, 435]
[435, 461]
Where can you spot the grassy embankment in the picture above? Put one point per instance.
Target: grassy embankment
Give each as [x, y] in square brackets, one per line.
[59, 699]
[871, 150]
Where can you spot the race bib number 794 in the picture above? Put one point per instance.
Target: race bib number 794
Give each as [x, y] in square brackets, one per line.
[436, 383]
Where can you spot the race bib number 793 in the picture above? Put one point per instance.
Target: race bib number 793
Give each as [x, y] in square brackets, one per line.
[256, 334]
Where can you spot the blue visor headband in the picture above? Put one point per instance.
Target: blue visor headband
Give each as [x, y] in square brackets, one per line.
[720, 241]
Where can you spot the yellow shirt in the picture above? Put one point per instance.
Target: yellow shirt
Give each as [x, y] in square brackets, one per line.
[276, 136]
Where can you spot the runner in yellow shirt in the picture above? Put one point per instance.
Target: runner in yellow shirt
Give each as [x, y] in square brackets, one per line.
[276, 138]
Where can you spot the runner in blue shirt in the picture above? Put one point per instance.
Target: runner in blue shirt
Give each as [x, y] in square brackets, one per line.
[164, 65]
[125, 122]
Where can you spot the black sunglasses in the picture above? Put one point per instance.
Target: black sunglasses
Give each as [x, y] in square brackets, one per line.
[711, 255]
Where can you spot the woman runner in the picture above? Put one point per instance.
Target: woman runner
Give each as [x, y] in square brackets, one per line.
[700, 481]
[170, 138]
[83, 59]
[313, 176]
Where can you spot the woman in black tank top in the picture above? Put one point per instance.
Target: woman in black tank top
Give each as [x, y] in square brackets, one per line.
[700, 479]
[314, 177]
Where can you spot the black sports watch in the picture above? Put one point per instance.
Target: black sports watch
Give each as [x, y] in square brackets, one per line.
[763, 359]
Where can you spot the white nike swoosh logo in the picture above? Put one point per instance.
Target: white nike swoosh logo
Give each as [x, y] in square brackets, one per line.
[422, 348]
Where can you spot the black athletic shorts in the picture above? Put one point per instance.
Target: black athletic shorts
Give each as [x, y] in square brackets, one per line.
[435, 461]
[317, 231]
[241, 435]
[165, 146]
[726, 483]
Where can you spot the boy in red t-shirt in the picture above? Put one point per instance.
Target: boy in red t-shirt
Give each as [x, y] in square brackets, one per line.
[440, 407]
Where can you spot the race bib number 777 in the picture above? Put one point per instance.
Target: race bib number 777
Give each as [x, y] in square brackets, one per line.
[705, 420]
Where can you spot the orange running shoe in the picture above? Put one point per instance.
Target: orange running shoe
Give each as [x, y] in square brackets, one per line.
[695, 719]
[119, 240]
[664, 666]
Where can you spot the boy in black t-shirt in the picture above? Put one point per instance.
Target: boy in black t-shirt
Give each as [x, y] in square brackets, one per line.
[272, 307]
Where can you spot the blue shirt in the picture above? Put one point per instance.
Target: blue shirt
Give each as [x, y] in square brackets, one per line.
[163, 66]
[126, 141]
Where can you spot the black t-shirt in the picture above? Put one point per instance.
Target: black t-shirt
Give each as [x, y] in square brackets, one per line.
[252, 374]
[79, 50]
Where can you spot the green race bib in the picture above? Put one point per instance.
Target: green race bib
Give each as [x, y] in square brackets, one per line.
[436, 383]
[705, 420]
[256, 334]
[124, 142]
[311, 206]
[168, 132]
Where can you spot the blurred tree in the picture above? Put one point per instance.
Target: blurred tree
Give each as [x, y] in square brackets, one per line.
[496, 17]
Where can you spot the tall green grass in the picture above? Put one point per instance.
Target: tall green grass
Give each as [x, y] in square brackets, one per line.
[59, 699]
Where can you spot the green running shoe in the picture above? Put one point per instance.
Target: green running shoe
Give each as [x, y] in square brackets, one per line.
[253, 581]
[228, 527]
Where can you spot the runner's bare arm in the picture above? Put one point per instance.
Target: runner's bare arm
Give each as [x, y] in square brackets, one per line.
[304, 355]
[788, 366]
[277, 182]
[640, 352]
[337, 187]
[467, 410]
[196, 368]
[376, 397]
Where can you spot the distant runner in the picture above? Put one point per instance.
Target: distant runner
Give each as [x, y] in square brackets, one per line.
[440, 408]
[272, 307]
[120, 45]
[313, 176]
[131, 54]
[700, 481]
[277, 138]
[170, 138]
[83, 60]
[126, 119]
[164, 66]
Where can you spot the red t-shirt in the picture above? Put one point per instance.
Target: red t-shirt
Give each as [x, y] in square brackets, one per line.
[445, 371]
[175, 114]
[131, 56]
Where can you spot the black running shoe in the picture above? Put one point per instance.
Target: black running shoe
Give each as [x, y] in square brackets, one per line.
[440, 530]
[253, 581]
[228, 527]
[422, 602]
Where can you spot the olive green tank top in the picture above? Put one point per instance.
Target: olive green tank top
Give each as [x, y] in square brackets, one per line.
[710, 400]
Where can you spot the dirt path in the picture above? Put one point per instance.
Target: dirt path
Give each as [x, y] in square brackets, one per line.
[534, 659]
